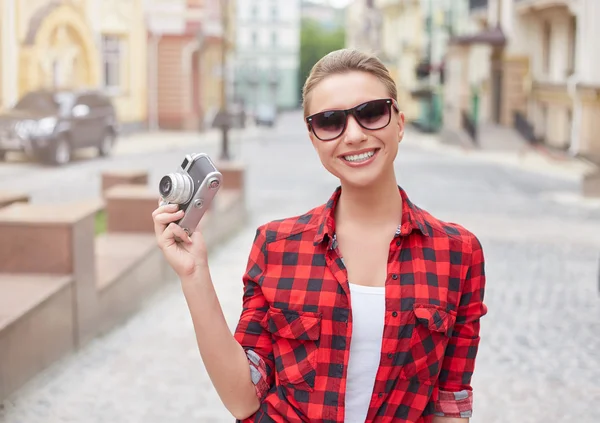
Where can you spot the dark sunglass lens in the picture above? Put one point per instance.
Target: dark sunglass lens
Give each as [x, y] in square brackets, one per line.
[328, 125]
[374, 114]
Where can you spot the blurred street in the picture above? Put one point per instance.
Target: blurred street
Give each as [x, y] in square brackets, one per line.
[539, 360]
[159, 152]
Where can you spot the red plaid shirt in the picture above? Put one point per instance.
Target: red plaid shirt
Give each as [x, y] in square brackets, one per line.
[296, 321]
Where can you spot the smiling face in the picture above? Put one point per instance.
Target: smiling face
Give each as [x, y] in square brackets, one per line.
[358, 157]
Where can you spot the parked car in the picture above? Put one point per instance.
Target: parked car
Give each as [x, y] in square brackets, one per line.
[266, 114]
[49, 125]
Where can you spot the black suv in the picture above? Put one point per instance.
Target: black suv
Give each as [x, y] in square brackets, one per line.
[50, 125]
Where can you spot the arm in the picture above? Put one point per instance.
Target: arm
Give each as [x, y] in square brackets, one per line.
[250, 332]
[455, 401]
[225, 359]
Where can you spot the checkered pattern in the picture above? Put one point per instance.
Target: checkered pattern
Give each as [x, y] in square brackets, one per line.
[296, 322]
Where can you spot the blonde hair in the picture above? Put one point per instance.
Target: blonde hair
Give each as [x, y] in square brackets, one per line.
[342, 61]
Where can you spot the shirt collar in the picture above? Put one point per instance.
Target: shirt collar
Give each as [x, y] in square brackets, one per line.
[412, 218]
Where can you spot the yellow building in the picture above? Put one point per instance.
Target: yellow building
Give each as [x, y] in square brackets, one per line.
[74, 44]
[402, 47]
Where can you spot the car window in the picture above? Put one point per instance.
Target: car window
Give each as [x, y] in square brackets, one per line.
[87, 100]
[39, 102]
[100, 101]
[65, 102]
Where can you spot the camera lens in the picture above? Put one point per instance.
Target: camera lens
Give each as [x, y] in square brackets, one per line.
[165, 186]
[176, 188]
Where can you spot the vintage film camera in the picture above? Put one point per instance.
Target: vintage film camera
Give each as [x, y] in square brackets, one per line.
[193, 187]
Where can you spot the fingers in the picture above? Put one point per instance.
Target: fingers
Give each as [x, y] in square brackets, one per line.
[172, 232]
[166, 218]
[167, 208]
[164, 215]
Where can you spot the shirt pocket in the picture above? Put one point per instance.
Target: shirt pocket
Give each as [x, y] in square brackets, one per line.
[296, 336]
[432, 327]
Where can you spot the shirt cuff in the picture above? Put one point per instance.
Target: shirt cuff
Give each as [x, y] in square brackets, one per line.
[454, 404]
[258, 373]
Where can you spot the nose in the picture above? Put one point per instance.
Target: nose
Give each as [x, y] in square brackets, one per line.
[354, 132]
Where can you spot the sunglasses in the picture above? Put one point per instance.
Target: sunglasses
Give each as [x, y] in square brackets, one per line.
[371, 115]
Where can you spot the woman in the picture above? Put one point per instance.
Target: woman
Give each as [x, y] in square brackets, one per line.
[365, 308]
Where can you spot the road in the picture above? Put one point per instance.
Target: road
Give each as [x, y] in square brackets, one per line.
[539, 359]
[81, 179]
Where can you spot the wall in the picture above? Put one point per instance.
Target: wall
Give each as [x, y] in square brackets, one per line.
[558, 18]
[126, 19]
[588, 54]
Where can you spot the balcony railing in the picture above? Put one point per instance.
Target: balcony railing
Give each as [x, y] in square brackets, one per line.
[478, 4]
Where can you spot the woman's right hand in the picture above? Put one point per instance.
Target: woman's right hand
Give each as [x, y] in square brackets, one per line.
[189, 255]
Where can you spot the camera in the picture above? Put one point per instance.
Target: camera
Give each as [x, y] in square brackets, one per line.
[193, 187]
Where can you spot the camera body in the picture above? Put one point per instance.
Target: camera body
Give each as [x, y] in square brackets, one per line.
[193, 187]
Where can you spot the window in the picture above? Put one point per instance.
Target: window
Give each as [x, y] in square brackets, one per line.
[254, 39]
[274, 38]
[274, 12]
[572, 45]
[546, 45]
[111, 53]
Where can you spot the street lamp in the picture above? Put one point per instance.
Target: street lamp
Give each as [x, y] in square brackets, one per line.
[223, 119]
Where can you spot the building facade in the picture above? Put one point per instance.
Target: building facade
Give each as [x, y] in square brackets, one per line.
[98, 44]
[185, 39]
[564, 72]
[535, 68]
[411, 38]
[363, 26]
[402, 48]
[267, 59]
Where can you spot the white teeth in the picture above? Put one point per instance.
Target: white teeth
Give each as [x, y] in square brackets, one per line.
[360, 157]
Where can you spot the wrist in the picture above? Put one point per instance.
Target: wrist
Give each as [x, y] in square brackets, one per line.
[200, 276]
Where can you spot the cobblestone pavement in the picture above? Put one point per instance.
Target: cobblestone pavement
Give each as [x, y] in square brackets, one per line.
[539, 361]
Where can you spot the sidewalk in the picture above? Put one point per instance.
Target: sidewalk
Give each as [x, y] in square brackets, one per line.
[499, 145]
[164, 140]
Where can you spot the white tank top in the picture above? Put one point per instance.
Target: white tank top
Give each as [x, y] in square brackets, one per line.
[368, 315]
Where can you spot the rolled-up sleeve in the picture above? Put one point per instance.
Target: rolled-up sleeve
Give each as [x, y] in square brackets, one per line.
[250, 332]
[455, 396]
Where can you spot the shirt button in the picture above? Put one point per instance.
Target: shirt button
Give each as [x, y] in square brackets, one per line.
[395, 314]
[390, 355]
[380, 395]
[394, 276]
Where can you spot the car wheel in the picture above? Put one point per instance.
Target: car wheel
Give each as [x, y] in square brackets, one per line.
[59, 153]
[106, 144]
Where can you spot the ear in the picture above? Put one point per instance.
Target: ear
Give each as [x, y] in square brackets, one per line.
[400, 126]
